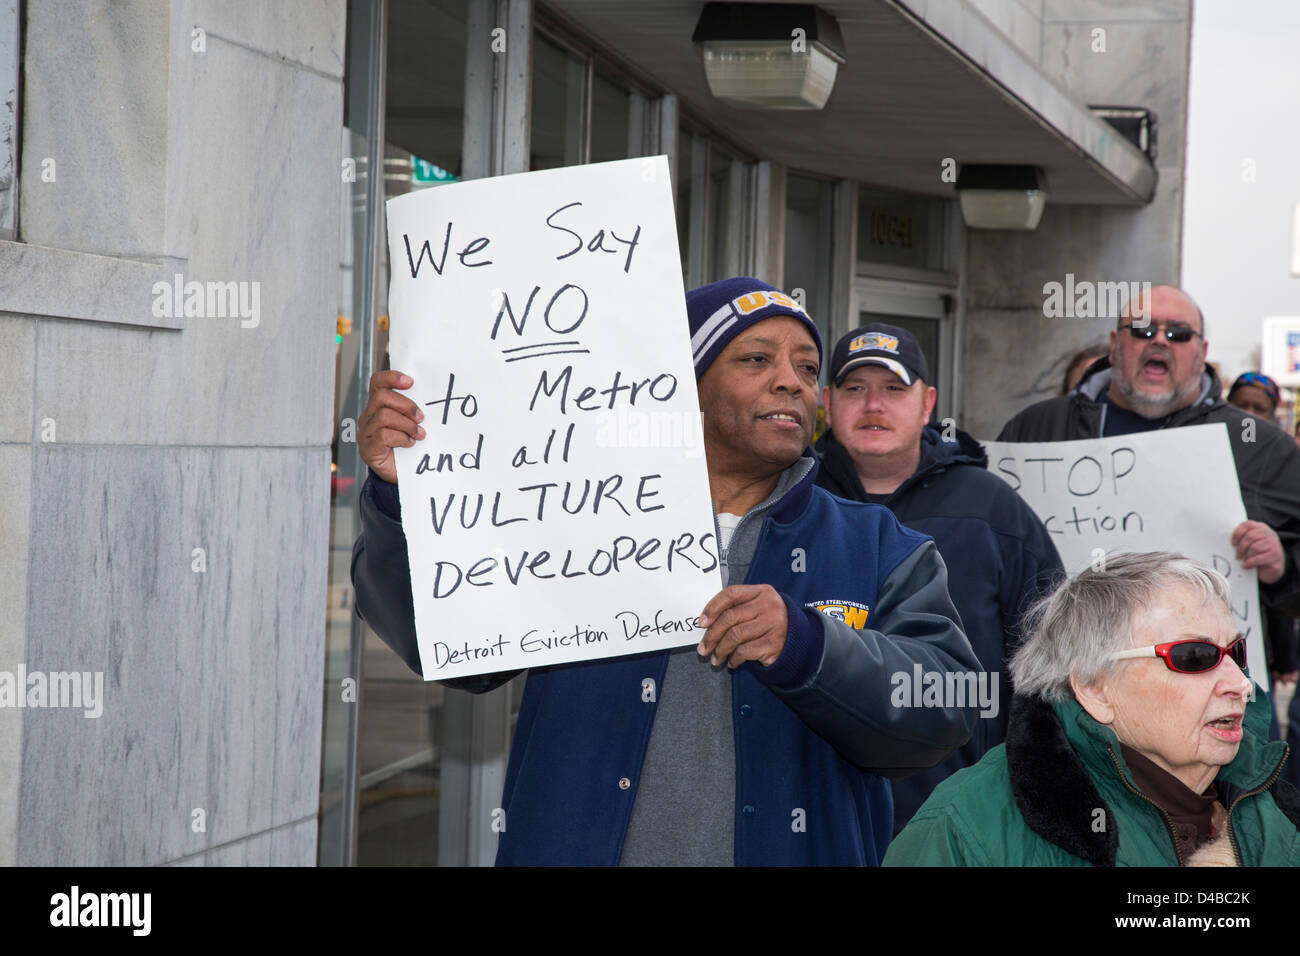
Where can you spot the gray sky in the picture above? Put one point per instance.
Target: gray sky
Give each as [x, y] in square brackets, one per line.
[1243, 104]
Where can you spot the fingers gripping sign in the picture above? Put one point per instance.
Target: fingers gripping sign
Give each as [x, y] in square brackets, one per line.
[744, 622]
[1258, 546]
[389, 421]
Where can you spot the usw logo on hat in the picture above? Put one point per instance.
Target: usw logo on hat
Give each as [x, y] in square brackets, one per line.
[879, 344]
[875, 340]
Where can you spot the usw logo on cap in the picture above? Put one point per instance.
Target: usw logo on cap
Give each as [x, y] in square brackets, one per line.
[875, 340]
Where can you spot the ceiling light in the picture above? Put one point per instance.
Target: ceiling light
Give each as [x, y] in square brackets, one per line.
[1002, 197]
[774, 56]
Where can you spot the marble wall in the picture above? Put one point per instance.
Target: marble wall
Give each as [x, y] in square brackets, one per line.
[1021, 20]
[168, 473]
[1013, 354]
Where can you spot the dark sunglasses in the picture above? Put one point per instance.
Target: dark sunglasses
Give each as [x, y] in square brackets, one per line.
[1189, 657]
[1173, 333]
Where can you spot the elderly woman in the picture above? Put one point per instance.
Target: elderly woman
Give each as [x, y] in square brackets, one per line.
[1134, 739]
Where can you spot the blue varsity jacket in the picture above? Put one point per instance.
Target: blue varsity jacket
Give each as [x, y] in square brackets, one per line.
[867, 600]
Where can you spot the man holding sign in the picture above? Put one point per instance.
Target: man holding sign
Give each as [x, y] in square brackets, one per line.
[748, 749]
[1155, 377]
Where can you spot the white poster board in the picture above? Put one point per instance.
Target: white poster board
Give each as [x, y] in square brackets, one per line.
[1169, 490]
[558, 509]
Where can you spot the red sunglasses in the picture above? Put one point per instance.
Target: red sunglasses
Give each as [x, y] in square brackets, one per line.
[1189, 657]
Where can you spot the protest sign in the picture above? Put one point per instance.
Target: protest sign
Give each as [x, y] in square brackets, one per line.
[558, 509]
[1169, 490]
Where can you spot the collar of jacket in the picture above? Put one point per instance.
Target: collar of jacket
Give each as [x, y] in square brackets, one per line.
[1096, 382]
[1054, 751]
[936, 455]
[795, 501]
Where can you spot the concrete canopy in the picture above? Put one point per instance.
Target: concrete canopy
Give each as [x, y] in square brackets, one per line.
[925, 80]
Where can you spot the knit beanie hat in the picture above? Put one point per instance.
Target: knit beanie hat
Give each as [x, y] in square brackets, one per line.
[720, 311]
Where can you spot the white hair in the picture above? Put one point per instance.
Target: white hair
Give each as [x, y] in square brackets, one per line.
[1072, 631]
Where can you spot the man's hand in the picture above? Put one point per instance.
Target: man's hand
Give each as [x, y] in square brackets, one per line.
[1258, 546]
[745, 622]
[389, 421]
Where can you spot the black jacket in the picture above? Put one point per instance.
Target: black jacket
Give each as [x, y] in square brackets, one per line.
[999, 557]
[1268, 468]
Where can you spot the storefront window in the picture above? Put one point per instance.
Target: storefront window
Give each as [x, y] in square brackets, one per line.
[692, 204]
[808, 234]
[721, 228]
[610, 123]
[570, 123]
[559, 115]
[708, 208]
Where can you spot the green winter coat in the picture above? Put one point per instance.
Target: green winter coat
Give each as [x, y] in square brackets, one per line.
[1058, 793]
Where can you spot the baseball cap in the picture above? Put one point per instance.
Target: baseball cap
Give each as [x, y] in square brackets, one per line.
[880, 344]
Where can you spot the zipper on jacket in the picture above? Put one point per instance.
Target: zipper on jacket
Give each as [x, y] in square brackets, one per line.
[1232, 837]
[1169, 821]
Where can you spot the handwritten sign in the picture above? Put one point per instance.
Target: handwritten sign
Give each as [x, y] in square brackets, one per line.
[1167, 490]
[558, 509]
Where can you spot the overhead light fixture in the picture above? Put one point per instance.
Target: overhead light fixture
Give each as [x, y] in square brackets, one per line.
[1002, 197]
[770, 56]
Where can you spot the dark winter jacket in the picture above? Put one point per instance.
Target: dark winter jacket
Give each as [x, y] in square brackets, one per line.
[805, 728]
[999, 558]
[1267, 459]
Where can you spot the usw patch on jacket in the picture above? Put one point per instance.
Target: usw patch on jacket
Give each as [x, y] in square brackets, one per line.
[848, 612]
